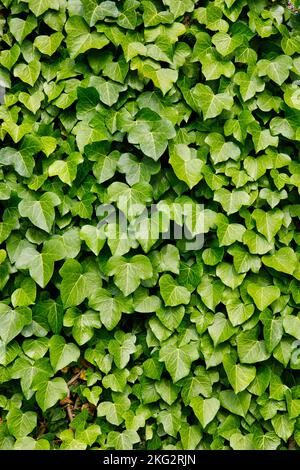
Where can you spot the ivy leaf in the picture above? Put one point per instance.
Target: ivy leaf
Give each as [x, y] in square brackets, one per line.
[268, 223]
[73, 287]
[121, 348]
[172, 293]
[20, 28]
[13, 321]
[41, 212]
[277, 70]
[263, 296]
[114, 411]
[110, 307]
[186, 164]
[205, 409]
[62, 353]
[209, 103]
[50, 392]
[94, 12]
[130, 200]
[66, 170]
[94, 238]
[25, 295]
[273, 330]
[21, 159]
[178, 360]
[80, 39]
[240, 376]
[226, 44]
[284, 260]
[38, 7]
[235, 403]
[250, 350]
[48, 44]
[21, 424]
[151, 133]
[124, 440]
[136, 170]
[28, 73]
[129, 273]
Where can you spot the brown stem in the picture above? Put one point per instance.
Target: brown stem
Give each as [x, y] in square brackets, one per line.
[74, 378]
[69, 412]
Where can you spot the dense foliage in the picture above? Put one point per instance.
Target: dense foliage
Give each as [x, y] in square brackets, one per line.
[119, 337]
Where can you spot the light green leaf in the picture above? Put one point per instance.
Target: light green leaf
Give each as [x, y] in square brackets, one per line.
[205, 409]
[28, 73]
[263, 296]
[240, 376]
[172, 293]
[40, 212]
[209, 103]
[129, 273]
[80, 39]
[50, 392]
[21, 424]
[186, 164]
[62, 353]
[177, 359]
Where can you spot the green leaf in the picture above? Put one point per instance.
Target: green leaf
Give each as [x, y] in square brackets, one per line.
[114, 411]
[151, 133]
[277, 70]
[73, 287]
[94, 238]
[268, 223]
[13, 321]
[226, 44]
[48, 44]
[66, 170]
[172, 293]
[273, 330]
[129, 273]
[25, 295]
[291, 325]
[50, 392]
[136, 170]
[284, 260]
[186, 164]
[239, 441]
[130, 200]
[231, 201]
[221, 329]
[41, 212]
[249, 85]
[283, 426]
[250, 349]
[190, 436]
[110, 307]
[267, 441]
[28, 73]
[209, 103]
[21, 424]
[239, 375]
[126, 439]
[21, 159]
[235, 403]
[205, 409]
[80, 39]
[38, 7]
[178, 360]
[62, 353]
[20, 28]
[263, 296]
[121, 348]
